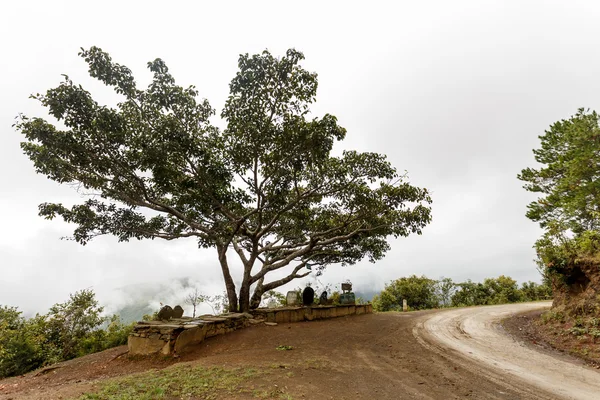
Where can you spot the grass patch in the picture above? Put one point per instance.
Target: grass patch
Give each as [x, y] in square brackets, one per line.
[317, 363]
[179, 381]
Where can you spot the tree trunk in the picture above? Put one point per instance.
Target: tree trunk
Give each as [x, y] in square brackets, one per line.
[229, 284]
[257, 295]
[245, 297]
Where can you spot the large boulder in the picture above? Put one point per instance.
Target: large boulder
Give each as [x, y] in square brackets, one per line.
[165, 313]
[177, 312]
[308, 296]
[323, 298]
[291, 299]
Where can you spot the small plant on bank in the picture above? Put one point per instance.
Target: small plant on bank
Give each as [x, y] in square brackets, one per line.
[553, 316]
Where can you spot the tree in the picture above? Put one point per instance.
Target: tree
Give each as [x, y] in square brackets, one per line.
[70, 329]
[568, 183]
[276, 297]
[218, 303]
[502, 289]
[195, 299]
[532, 291]
[568, 180]
[266, 188]
[471, 294]
[20, 352]
[70, 322]
[445, 288]
[418, 291]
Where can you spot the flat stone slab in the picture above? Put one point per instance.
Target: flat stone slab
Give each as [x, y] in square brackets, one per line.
[232, 316]
[170, 326]
[193, 324]
[270, 310]
[214, 319]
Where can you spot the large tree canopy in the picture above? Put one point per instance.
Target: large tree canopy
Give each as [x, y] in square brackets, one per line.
[568, 182]
[266, 188]
[569, 179]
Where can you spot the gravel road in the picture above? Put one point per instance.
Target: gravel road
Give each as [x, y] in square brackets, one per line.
[474, 338]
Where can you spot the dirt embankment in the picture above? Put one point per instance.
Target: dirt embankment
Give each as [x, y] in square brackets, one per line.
[576, 288]
[544, 331]
[572, 325]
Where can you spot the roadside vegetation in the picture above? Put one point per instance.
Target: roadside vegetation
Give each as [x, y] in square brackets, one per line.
[579, 336]
[423, 293]
[70, 329]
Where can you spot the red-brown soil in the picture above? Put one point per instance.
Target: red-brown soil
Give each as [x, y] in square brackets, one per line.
[553, 336]
[372, 356]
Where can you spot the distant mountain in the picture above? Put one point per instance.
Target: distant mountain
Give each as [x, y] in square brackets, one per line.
[366, 295]
[132, 302]
[134, 312]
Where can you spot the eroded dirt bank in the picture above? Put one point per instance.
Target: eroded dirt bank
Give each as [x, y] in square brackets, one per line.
[546, 334]
[374, 356]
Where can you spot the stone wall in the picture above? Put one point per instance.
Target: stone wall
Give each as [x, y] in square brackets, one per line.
[150, 337]
[172, 337]
[297, 314]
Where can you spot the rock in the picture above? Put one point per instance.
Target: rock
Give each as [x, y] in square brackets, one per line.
[323, 298]
[165, 313]
[144, 346]
[214, 319]
[272, 303]
[177, 312]
[271, 323]
[291, 298]
[347, 298]
[192, 324]
[308, 296]
[148, 322]
[190, 337]
[234, 316]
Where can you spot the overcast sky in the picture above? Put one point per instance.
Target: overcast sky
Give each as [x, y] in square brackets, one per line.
[456, 93]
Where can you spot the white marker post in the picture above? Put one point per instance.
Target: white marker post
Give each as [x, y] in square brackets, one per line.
[404, 305]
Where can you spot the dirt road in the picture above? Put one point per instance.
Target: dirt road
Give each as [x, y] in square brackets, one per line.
[453, 354]
[474, 338]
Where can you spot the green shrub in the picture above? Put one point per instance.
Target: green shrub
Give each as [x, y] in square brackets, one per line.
[70, 329]
[418, 291]
[555, 316]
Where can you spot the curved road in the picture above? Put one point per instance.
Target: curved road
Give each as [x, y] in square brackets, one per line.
[474, 338]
